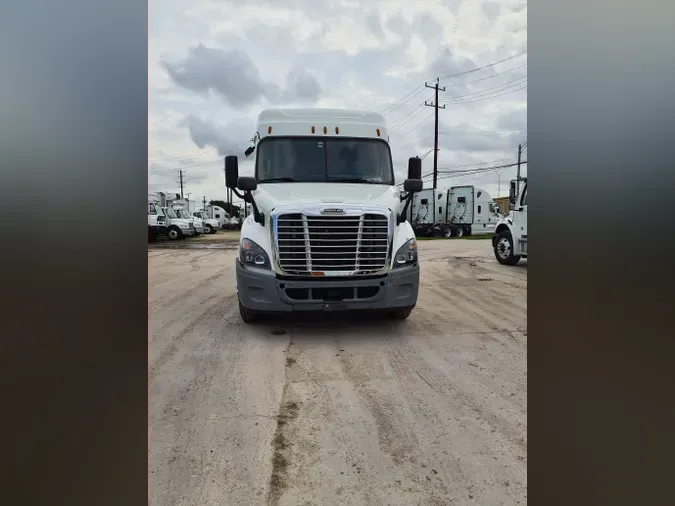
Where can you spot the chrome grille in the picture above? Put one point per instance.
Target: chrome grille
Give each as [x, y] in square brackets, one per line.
[347, 244]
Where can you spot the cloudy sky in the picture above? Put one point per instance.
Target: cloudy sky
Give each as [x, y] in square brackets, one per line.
[214, 64]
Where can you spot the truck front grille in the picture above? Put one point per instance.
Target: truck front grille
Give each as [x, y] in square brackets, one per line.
[347, 244]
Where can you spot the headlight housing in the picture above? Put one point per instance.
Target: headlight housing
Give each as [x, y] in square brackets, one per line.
[253, 255]
[406, 254]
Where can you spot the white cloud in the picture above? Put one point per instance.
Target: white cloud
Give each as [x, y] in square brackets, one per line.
[214, 65]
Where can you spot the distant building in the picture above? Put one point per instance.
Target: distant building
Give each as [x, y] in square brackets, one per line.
[503, 203]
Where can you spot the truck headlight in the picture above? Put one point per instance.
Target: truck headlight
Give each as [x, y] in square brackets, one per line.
[406, 254]
[252, 254]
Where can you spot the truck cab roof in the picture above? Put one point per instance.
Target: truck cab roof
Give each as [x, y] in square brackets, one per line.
[322, 123]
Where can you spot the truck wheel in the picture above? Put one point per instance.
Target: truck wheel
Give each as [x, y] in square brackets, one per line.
[174, 233]
[247, 315]
[401, 313]
[504, 249]
[208, 229]
[459, 232]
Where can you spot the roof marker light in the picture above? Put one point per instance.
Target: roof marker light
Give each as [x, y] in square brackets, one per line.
[325, 130]
[313, 129]
[269, 129]
[337, 130]
[378, 132]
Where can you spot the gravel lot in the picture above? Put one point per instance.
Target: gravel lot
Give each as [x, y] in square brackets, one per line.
[332, 410]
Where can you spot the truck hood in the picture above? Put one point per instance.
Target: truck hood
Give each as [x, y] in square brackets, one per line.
[269, 196]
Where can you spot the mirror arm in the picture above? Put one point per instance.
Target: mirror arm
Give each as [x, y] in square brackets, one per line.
[257, 215]
[408, 199]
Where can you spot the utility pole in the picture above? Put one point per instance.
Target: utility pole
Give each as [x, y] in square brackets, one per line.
[436, 108]
[204, 203]
[180, 172]
[520, 151]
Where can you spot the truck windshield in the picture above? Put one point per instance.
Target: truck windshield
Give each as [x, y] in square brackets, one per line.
[312, 160]
[171, 214]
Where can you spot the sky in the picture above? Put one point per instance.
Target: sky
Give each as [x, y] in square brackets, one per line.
[213, 65]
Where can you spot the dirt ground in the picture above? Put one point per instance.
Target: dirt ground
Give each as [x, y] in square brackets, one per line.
[334, 410]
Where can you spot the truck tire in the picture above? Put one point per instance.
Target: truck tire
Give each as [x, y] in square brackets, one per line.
[208, 229]
[247, 315]
[401, 313]
[504, 249]
[459, 232]
[174, 233]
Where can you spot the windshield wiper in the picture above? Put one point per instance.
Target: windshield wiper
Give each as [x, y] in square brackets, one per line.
[354, 180]
[279, 180]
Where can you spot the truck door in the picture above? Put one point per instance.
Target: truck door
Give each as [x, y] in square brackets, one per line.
[522, 218]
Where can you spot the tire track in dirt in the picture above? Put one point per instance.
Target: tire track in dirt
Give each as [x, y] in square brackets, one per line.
[162, 302]
[187, 455]
[212, 306]
[469, 417]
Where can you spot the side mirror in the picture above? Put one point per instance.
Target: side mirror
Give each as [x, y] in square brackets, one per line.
[248, 151]
[413, 185]
[415, 168]
[247, 184]
[231, 171]
[512, 193]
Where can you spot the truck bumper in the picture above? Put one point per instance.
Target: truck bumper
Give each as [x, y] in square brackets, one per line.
[262, 291]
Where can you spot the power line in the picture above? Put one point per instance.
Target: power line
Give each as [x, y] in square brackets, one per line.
[414, 128]
[400, 124]
[462, 102]
[386, 110]
[500, 87]
[489, 77]
[404, 102]
[419, 88]
[455, 174]
[457, 74]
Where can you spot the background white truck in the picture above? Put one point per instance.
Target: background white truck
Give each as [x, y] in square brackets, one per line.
[177, 227]
[328, 228]
[156, 217]
[219, 214]
[455, 211]
[210, 225]
[510, 239]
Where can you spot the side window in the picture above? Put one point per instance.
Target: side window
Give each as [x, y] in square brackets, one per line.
[523, 201]
[479, 209]
[217, 216]
[440, 210]
[424, 202]
[151, 209]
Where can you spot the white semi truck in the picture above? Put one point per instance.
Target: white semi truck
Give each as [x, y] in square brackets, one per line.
[156, 217]
[219, 214]
[210, 225]
[453, 212]
[177, 226]
[328, 228]
[510, 239]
